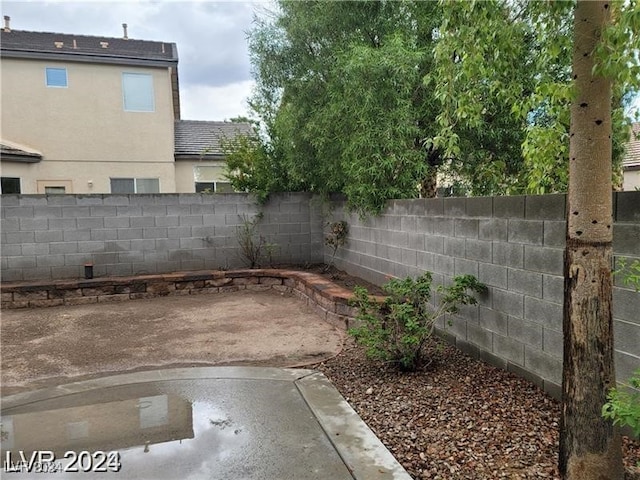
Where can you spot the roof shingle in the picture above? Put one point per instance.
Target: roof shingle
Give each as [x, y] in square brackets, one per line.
[22, 43]
[202, 138]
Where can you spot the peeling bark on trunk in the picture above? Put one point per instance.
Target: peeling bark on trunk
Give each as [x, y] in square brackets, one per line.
[589, 445]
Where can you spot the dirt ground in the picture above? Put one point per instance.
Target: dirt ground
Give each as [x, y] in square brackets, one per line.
[49, 346]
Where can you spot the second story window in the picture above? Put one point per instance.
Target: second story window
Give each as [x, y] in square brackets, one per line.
[137, 92]
[56, 77]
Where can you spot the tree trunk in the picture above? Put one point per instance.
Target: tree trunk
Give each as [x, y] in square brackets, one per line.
[589, 445]
[428, 185]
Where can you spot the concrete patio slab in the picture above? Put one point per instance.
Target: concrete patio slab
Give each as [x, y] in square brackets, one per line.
[226, 423]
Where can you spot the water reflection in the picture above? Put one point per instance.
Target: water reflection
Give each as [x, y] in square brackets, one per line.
[201, 429]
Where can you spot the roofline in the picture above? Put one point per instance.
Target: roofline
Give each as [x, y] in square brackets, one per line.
[20, 157]
[90, 58]
[195, 156]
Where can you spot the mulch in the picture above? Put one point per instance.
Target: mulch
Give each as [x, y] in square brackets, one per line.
[457, 417]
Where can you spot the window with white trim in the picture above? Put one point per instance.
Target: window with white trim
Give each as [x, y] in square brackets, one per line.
[56, 77]
[135, 185]
[137, 92]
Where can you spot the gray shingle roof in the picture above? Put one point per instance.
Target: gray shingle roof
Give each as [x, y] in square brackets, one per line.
[202, 138]
[26, 44]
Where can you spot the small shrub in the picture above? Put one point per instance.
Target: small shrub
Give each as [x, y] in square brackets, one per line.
[630, 273]
[624, 407]
[271, 249]
[251, 244]
[335, 239]
[396, 330]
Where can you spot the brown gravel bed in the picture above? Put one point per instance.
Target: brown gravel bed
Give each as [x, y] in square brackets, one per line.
[457, 418]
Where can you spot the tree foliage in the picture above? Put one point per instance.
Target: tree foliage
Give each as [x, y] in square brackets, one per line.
[374, 98]
[339, 87]
[252, 166]
[514, 58]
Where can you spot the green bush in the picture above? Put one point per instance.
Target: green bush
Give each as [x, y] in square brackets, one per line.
[624, 407]
[630, 273]
[396, 330]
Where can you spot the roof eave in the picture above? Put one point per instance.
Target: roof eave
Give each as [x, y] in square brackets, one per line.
[89, 58]
[18, 158]
[198, 156]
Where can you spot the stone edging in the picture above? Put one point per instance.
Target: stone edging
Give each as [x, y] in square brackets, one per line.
[328, 299]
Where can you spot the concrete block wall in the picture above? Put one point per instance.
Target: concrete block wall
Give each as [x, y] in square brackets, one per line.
[47, 237]
[515, 246]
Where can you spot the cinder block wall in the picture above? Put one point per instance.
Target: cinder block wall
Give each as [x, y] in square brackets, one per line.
[53, 236]
[515, 246]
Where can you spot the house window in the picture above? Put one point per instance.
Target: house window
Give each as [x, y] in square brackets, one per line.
[135, 185]
[56, 77]
[211, 178]
[137, 92]
[10, 185]
[205, 187]
[211, 187]
[54, 186]
[55, 189]
[224, 187]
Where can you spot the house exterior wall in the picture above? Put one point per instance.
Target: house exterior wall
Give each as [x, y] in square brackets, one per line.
[83, 130]
[631, 179]
[185, 178]
[87, 177]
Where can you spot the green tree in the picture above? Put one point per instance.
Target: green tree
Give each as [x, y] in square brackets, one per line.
[374, 99]
[603, 41]
[251, 165]
[589, 444]
[339, 85]
[503, 74]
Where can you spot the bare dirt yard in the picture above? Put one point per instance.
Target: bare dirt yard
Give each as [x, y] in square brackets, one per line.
[49, 346]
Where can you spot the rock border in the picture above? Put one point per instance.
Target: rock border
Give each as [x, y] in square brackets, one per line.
[329, 300]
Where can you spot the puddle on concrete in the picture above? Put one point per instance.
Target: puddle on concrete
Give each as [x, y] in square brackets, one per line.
[197, 429]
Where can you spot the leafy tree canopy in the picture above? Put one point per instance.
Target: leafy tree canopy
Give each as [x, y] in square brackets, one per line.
[375, 98]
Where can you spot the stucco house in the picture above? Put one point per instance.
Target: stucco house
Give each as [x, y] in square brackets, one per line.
[631, 161]
[90, 114]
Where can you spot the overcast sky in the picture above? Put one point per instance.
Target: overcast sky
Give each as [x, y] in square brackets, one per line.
[214, 68]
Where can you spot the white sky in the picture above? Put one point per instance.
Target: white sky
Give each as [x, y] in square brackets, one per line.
[214, 69]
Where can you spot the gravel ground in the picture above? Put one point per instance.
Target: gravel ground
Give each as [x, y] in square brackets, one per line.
[458, 417]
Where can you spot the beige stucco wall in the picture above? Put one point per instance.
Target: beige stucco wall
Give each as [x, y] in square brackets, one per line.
[83, 130]
[631, 180]
[88, 177]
